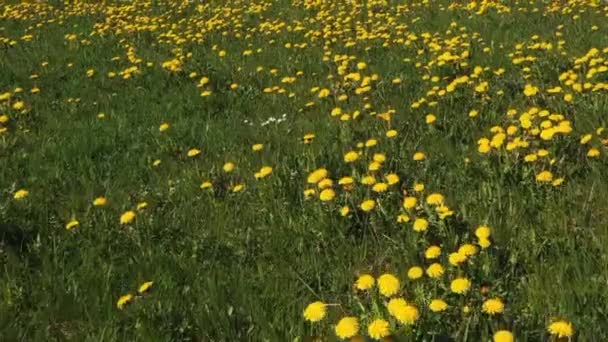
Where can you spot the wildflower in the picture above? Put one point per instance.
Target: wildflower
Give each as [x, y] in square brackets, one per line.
[317, 175]
[484, 243]
[561, 328]
[19, 105]
[145, 287]
[265, 171]
[206, 185]
[530, 90]
[392, 179]
[409, 202]
[228, 167]
[432, 252]
[367, 205]
[193, 152]
[124, 300]
[418, 156]
[344, 211]
[100, 201]
[415, 272]
[351, 156]
[73, 223]
[435, 270]
[347, 327]
[365, 282]
[325, 183]
[308, 138]
[238, 188]
[503, 336]
[430, 119]
[395, 306]
[391, 133]
[482, 232]
[378, 329]
[593, 152]
[493, 306]
[545, 176]
[380, 187]
[388, 284]
[438, 305]
[420, 224]
[456, 259]
[257, 147]
[163, 127]
[315, 311]
[460, 285]
[21, 194]
[127, 217]
[434, 199]
[467, 249]
[3, 119]
[327, 195]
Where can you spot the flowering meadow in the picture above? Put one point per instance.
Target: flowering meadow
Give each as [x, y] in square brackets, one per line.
[304, 170]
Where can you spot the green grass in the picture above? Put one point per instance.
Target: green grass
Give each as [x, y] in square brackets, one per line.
[243, 266]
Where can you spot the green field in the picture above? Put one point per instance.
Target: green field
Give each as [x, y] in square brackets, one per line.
[303, 170]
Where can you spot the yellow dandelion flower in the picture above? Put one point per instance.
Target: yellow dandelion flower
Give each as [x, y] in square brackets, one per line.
[367, 205]
[228, 167]
[438, 305]
[365, 282]
[163, 127]
[388, 284]
[460, 285]
[415, 272]
[193, 152]
[420, 224]
[124, 301]
[127, 217]
[21, 194]
[503, 336]
[433, 252]
[347, 327]
[317, 175]
[327, 195]
[378, 329]
[561, 328]
[100, 201]
[145, 287]
[73, 223]
[493, 306]
[315, 311]
[435, 270]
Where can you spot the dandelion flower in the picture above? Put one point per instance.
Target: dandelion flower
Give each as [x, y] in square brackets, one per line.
[193, 152]
[415, 272]
[434, 199]
[124, 300]
[493, 306]
[228, 167]
[432, 252]
[460, 285]
[435, 270]
[315, 311]
[482, 232]
[145, 287]
[163, 127]
[21, 194]
[127, 217]
[438, 305]
[561, 328]
[72, 224]
[418, 156]
[378, 329]
[367, 205]
[100, 201]
[317, 176]
[388, 284]
[545, 176]
[365, 282]
[327, 195]
[420, 224]
[347, 327]
[503, 336]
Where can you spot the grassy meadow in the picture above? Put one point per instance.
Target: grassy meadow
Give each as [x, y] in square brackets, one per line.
[303, 170]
